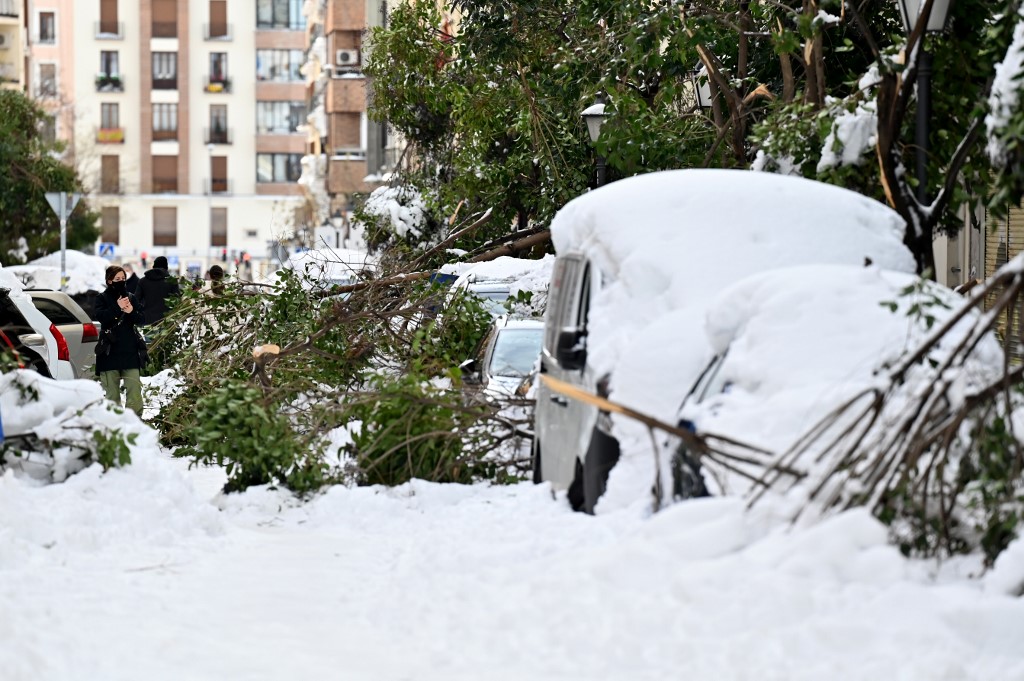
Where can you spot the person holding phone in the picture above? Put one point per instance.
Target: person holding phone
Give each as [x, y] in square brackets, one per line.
[120, 311]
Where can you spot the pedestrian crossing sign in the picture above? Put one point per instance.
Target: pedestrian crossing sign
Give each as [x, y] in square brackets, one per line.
[107, 250]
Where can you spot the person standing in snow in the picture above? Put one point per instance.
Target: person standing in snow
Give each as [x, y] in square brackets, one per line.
[121, 311]
[131, 282]
[155, 288]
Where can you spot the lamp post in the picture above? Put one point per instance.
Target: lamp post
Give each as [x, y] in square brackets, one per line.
[594, 117]
[910, 10]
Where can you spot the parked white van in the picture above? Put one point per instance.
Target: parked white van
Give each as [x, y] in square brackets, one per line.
[638, 262]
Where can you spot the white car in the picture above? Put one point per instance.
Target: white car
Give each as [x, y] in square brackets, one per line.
[508, 356]
[638, 262]
[39, 342]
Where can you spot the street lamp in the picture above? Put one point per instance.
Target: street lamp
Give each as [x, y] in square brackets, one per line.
[911, 9]
[594, 117]
[702, 86]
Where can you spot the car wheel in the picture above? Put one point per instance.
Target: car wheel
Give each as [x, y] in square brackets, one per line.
[602, 455]
[538, 474]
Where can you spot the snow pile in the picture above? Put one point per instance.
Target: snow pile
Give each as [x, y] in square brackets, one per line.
[333, 265]
[85, 272]
[853, 134]
[666, 243]
[521, 275]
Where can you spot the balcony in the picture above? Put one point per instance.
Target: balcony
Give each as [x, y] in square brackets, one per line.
[109, 30]
[217, 32]
[217, 135]
[165, 29]
[165, 83]
[109, 82]
[110, 136]
[165, 135]
[217, 185]
[9, 9]
[217, 84]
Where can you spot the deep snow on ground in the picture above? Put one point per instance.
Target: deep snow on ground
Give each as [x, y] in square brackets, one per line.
[149, 573]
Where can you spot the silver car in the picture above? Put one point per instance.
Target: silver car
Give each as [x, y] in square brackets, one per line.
[80, 333]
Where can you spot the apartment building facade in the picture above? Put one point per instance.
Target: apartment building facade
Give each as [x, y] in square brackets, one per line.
[182, 117]
[12, 45]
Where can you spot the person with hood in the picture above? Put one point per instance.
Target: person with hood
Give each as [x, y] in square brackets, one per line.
[119, 356]
[155, 287]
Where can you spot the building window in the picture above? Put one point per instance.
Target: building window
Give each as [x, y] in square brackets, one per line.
[165, 18]
[165, 70]
[218, 226]
[110, 174]
[279, 65]
[108, 63]
[218, 67]
[279, 117]
[278, 167]
[47, 80]
[48, 129]
[110, 222]
[165, 226]
[165, 174]
[218, 125]
[218, 19]
[47, 28]
[110, 116]
[280, 14]
[165, 122]
[219, 175]
[108, 18]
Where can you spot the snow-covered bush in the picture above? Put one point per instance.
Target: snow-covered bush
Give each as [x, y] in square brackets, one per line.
[397, 215]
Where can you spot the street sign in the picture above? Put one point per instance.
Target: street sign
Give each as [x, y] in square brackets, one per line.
[172, 261]
[62, 204]
[107, 250]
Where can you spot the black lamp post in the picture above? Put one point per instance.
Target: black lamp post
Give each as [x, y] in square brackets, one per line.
[910, 9]
[594, 116]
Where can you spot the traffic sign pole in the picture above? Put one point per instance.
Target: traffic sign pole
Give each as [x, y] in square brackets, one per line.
[63, 204]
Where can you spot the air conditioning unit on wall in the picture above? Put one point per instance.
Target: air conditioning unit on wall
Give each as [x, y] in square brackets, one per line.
[346, 58]
[5, 41]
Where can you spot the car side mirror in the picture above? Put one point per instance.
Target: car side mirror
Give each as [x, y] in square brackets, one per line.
[470, 373]
[570, 350]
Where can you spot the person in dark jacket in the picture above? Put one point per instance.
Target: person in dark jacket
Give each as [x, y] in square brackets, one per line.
[155, 287]
[132, 280]
[121, 311]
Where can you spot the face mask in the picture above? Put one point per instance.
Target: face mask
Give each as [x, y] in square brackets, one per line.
[118, 287]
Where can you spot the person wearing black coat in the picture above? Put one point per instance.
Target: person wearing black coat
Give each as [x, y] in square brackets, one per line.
[132, 281]
[121, 311]
[155, 287]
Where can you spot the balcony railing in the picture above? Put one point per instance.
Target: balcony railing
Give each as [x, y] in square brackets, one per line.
[109, 82]
[9, 8]
[165, 185]
[165, 29]
[217, 85]
[217, 135]
[218, 185]
[165, 135]
[110, 136]
[109, 30]
[165, 83]
[217, 31]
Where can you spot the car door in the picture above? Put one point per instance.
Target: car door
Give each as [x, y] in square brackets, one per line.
[559, 418]
[79, 332]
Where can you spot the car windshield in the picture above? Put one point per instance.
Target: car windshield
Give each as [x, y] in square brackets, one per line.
[515, 351]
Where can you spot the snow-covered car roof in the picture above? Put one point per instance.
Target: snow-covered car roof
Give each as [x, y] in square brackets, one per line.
[799, 342]
[85, 272]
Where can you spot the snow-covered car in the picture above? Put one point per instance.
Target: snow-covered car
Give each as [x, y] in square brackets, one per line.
[38, 341]
[495, 281]
[80, 333]
[794, 345]
[638, 262]
[507, 358]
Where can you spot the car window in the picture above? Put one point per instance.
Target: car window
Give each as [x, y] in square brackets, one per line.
[515, 352]
[10, 316]
[55, 312]
[561, 300]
